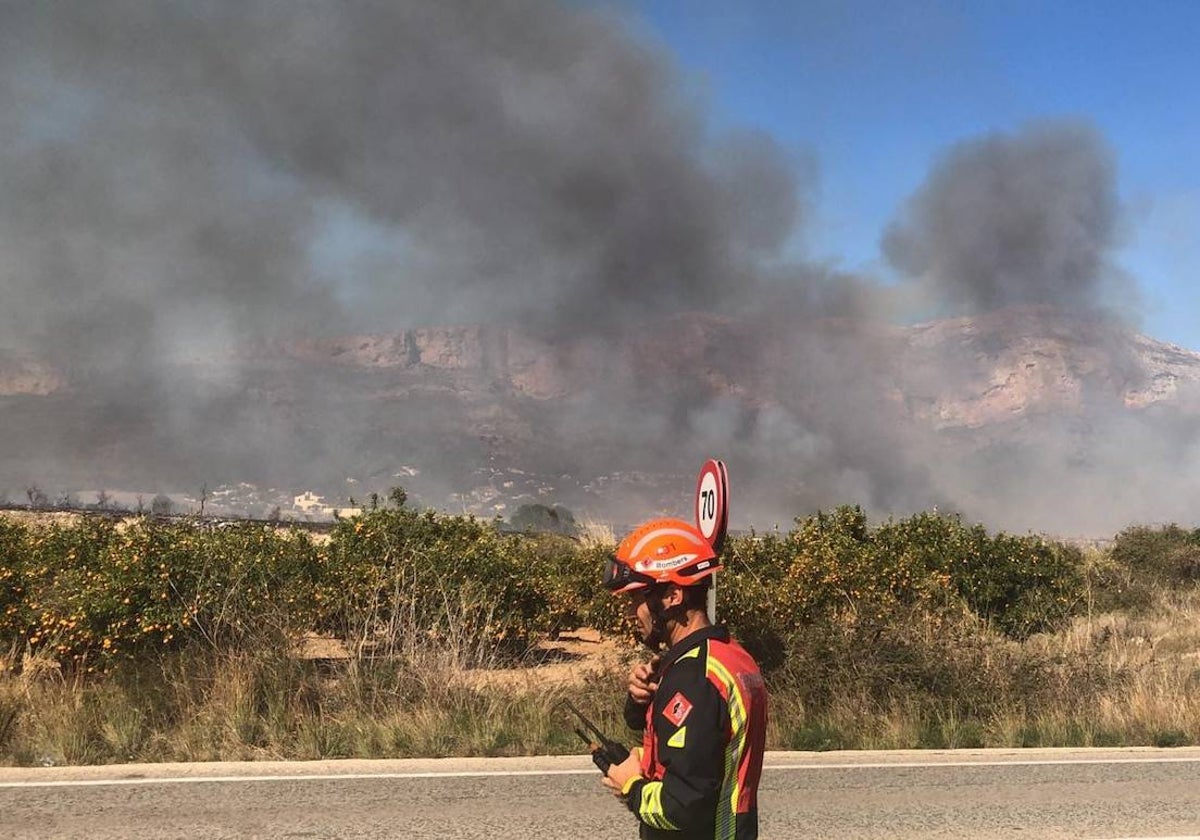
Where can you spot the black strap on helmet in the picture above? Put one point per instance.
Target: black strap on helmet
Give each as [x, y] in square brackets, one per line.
[618, 575]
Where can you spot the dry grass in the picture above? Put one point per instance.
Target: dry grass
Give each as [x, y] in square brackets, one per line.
[248, 707]
[258, 708]
[593, 533]
[1108, 679]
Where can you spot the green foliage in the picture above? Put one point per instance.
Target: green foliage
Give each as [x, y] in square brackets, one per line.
[395, 578]
[14, 606]
[748, 594]
[94, 592]
[400, 574]
[1024, 584]
[161, 505]
[910, 632]
[538, 518]
[1167, 556]
[1110, 586]
[833, 572]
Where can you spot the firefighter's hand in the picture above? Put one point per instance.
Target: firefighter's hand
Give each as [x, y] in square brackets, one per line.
[619, 775]
[643, 681]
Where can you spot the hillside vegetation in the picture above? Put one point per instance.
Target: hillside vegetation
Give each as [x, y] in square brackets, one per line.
[151, 640]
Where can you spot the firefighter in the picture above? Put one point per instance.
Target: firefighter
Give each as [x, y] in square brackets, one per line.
[700, 701]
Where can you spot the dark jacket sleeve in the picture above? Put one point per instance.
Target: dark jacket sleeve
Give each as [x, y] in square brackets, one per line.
[692, 753]
[635, 714]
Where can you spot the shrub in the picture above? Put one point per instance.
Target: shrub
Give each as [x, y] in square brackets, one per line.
[538, 518]
[93, 592]
[908, 633]
[834, 581]
[1024, 584]
[16, 616]
[395, 577]
[1167, 556]
[755, 567]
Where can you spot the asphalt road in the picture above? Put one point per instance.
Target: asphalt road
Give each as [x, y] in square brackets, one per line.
[976, 794]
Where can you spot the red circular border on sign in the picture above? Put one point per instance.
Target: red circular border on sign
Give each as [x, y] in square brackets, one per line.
[720, 517]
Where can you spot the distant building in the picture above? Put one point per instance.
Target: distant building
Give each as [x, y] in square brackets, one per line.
[309, 503]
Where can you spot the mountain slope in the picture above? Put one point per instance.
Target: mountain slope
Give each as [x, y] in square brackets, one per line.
[969, 413]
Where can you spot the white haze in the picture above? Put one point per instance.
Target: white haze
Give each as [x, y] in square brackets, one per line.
[184, 181]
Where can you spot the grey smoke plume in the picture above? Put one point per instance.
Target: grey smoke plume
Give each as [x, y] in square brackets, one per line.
[186, 182]
[174, 163]
[1027, 218]
[182, 179]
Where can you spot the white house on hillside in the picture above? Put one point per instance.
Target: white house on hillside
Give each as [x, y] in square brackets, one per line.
[309, 503]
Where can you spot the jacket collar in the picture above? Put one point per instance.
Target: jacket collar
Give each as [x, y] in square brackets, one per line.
[717, 631]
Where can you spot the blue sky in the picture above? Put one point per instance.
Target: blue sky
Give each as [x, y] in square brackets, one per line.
[875, 92]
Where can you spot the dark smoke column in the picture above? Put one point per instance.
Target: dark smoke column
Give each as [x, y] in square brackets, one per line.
[1020, 219]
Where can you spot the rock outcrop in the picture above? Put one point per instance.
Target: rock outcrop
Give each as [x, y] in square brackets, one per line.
[491, 415]
[21, 375]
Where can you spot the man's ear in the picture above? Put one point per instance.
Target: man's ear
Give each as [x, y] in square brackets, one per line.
[673, 596]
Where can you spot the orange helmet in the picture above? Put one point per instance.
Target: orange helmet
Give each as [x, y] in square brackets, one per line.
[660, 551]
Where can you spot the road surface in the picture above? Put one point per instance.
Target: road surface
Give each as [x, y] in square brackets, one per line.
[1095, 794]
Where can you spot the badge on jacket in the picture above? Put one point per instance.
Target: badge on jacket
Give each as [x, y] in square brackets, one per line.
[677, 709]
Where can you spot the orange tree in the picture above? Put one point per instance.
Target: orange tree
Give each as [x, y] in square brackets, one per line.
[397, 578]
[16, 617]
[834, 574]
[95, 592]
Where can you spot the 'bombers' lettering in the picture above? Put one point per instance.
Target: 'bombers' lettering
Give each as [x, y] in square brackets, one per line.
[663, 565]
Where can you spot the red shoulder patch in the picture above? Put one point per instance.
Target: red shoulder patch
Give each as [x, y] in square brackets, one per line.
[677, 709]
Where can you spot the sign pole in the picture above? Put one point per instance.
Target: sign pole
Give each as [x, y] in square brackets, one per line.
[712, 516]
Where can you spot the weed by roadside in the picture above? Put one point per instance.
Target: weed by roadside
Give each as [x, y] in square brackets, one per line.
[176, 641]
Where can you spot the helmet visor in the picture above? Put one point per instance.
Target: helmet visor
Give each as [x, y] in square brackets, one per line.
[618, 577]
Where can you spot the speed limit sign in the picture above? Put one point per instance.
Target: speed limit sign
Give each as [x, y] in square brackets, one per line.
[712, 502]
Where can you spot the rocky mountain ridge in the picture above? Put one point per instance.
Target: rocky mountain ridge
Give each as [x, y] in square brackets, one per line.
[484, 417]
[993, 366]
[990, 368]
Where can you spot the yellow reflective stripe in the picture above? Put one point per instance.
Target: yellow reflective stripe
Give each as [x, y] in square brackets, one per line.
[678, 738]
[730, 790]
[691, 654]
[651, 807]
[727, 804]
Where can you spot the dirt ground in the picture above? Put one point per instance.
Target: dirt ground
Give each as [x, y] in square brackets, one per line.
[42, 517]
[571, 659]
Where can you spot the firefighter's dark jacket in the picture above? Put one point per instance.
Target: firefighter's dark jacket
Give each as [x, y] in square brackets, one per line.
[703, 742]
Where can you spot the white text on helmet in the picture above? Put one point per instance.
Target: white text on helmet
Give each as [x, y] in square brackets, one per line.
[665, 565]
